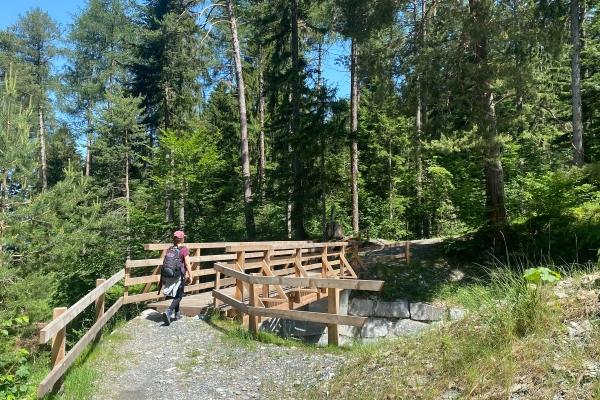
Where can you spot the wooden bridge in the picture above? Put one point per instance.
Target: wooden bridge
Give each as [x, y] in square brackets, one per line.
[248, 280]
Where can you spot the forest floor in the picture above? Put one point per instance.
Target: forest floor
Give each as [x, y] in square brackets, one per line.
[207, 358]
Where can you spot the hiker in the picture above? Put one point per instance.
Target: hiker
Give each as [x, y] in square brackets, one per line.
[174, 286]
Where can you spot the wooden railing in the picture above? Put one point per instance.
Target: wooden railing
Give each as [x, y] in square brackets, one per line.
[56, 330]
[255, 307]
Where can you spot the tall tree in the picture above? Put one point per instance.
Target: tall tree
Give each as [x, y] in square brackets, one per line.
[576, 84]
[241, 91]
[39, 37]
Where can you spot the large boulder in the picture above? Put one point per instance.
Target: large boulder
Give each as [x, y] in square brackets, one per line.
[361, 307]
[395, 309]
[376, 328]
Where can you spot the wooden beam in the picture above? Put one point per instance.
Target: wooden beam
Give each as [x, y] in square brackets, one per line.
[59, 369]
[142, 297]
[156, 270]
[290, 245]
[253, 302]
[217, 287]
[231, 301]
[59, 344]
[347, 265]
[216, 245]
[56, 325]
[99, 309]
[407, 251]
[356, 284]
[267, 271]
[308, 316]
[333, 307]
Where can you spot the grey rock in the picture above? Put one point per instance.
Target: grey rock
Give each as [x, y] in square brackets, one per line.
[348, 330]
[408, 327]
[361, 307]
[375, 328]
[395, 309]
[426, 312]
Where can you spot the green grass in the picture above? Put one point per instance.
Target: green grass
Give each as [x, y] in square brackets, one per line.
[513, 337]
[81, 380]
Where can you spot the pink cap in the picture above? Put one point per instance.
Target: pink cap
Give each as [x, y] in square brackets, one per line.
[178, 234]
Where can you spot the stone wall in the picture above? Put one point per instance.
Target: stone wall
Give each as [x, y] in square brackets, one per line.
[385, 320]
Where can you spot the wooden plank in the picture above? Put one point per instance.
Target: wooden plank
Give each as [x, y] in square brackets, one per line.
[231, 301]
[156, 271]
[53, 327]
[99, 309]
[308, 316]
[217, 287]
[215, 245]
[142, 279]
[142, 297]
[59, 345]
[253, 301]
[356, 284]
[333, 307]
[267, 271]
[347, 265]
[60, 369]
[274, 300]
[144, 263]
[289, 245]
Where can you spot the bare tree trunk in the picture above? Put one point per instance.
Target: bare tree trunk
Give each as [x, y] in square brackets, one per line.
[323, 144]
[576, 86]
[354, 99]
[298, 197]
[43, 149]
[127, 196]
[261, 120]
[243, 124]
[88, 151]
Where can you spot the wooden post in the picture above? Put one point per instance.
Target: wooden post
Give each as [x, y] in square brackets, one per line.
[58, 346]
[99, 309]
[355, 255]
[407, 248]
[265, 288]
[333, 307]
[323, 266]
[126, 287]
[195, 267]
[217, 287]
[239, 285]
[298, 256]
[342, 266]
[253, 300]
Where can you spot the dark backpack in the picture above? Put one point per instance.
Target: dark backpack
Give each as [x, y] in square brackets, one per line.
[171, 267]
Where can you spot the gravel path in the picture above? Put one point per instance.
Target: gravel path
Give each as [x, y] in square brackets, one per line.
[208, 365]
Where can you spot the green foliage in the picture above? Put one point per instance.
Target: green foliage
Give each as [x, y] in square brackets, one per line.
[541, 275]
[14, 364]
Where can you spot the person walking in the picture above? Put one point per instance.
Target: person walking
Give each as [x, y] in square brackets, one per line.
[174, 287]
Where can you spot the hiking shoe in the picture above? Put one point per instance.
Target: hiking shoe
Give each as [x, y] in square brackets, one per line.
[167, 317]
[177, 315]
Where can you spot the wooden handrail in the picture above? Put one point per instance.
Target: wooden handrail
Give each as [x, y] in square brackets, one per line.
[215, 245]
[333, 283]
[59, 370]
[56, 325]
[286, 246]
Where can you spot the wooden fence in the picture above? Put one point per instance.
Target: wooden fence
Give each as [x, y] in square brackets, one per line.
[299, 258]
[291, 291]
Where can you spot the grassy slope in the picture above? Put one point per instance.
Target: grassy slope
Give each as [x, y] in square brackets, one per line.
[514, 344]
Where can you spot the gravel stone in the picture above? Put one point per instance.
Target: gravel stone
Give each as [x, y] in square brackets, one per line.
[202, 364]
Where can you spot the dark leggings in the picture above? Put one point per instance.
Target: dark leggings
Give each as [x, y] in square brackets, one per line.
[177, 299]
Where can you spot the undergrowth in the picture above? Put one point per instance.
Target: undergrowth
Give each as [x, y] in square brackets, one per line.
[514, 340]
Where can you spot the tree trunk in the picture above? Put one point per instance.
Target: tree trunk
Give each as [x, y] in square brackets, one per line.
[127, 196]
[298, 196]
[250, 232]
[576, 86]
[261, 120]
[43, 149]
[354, 99]
[485, 117]
[322, 145]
